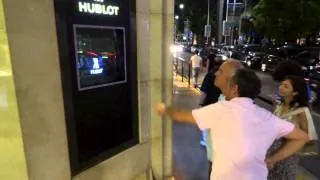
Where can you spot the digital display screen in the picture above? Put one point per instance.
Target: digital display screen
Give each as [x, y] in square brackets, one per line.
[100, 56]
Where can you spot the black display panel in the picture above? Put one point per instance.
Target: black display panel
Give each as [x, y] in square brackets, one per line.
[100, 55]
[97, 48]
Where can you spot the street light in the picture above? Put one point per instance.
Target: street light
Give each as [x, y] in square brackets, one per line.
[208, 22]
[176, 17]
[181, 6]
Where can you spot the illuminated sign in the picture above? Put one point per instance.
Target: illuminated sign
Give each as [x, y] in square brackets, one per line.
[98, 7]
[96, 67]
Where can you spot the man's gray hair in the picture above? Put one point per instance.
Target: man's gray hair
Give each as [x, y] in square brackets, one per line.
[249, 84]
[235, 64]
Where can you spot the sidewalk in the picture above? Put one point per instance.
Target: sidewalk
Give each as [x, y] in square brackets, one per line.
[189, 157]
[190, 162]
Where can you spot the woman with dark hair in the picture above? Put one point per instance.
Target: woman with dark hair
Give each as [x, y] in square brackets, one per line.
[287, 68]
[294, 108]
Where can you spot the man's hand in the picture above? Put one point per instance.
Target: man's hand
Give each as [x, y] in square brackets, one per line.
[295, 141]
[161, 109]
[175, 114]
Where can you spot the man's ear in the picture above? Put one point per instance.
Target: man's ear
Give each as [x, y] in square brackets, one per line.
[235, 90]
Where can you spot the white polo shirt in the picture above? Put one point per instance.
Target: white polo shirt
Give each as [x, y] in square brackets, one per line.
[242, 133]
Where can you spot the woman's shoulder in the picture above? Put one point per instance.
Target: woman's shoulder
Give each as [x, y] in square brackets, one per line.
[300, 111]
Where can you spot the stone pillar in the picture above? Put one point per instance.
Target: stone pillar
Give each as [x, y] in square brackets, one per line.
[35, 65]
[159, 80]
[12, 156]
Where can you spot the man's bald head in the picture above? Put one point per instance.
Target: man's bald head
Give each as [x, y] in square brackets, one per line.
[233, 65]
[225, 73]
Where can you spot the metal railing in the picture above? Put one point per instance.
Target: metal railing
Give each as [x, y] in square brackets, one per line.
[183, 68]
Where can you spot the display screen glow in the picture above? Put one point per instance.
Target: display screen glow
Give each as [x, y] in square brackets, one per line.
[96, 67]
[100, 56]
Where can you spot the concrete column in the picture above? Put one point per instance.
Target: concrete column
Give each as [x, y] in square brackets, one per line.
[155, 20]
[12, 156]
[35, 65]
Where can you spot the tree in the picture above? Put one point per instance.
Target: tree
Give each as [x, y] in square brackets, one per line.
[287, 20]
[196, 12]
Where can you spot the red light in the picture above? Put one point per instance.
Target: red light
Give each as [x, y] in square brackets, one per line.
[92, 53]
[108, 53]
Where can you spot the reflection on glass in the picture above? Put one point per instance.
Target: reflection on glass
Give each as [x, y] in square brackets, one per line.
[100, 55]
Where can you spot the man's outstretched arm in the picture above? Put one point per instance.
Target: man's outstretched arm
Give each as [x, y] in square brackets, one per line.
[176, 114]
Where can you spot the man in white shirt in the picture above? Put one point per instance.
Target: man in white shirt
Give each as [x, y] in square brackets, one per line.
[196, 65]
[241, 131]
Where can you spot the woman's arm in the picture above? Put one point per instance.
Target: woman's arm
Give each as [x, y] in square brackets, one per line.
[301, 121]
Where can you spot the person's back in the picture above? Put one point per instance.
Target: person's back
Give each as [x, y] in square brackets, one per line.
[212, 92]
[211, 61]
[241, 135]
[241, 132]
[196, 61]
[196, 64]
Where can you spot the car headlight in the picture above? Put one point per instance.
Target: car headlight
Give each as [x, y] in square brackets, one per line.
[176, 48]
[248, 57]
[224, 57]
[314, 85]
[312, 67]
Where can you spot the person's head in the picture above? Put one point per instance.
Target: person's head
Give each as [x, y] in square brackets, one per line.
[244, 83]
[294, 89]
[287, 68]
[217, 61]
[234, 81]
[196, 51]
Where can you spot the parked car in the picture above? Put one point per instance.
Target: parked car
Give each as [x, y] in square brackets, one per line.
[315, 75]
[270, 62]
[227, 50]
[277, 54]
[196, 47]
[236, 52]
[307, 61]
[250, 54]
[205, 52]
[217, 50]
[289, 50]
[314, 84]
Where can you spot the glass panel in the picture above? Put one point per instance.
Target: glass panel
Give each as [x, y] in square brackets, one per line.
[100, 56]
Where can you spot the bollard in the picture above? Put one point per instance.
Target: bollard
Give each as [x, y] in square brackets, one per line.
[182, 69]
[189, 75]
